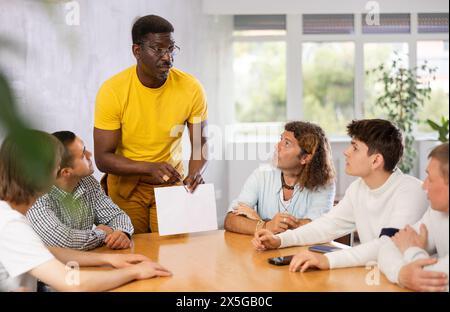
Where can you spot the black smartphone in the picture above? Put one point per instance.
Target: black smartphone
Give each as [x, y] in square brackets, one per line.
[323, 248]
[280, 260]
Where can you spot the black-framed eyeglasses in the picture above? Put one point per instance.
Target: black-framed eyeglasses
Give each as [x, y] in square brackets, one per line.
[158, 52]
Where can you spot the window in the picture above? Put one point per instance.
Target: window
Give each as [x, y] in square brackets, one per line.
[374, 55]
[328, 82]
[388, 24]
[259, 67]
[257, 25]
[260, 81]
[326, 79]
[328, 24]
[433, 23]
[436, 54]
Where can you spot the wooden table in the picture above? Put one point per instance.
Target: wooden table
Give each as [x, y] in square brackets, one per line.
[225, 261]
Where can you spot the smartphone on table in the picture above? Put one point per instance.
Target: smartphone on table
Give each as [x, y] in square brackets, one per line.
[316, 248]
[280, 260]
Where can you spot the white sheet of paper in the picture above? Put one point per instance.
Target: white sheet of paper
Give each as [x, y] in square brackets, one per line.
[182, 212]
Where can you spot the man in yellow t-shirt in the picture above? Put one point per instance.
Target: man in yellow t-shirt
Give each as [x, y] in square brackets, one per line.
[140, 115]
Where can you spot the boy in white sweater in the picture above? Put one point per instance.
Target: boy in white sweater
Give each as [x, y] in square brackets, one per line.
[406, 258]
[377, 204]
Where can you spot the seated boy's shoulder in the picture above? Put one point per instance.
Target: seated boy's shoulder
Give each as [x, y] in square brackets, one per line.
[42, 201]
[356, 184]
[90, 181]
[409, 182]
[8, 215]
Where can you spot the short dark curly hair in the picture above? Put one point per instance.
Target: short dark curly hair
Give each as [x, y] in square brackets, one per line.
[380, 136]
[149, 24]
[312, 140]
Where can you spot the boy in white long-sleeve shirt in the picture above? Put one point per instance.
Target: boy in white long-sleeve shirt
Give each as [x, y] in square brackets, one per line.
[406, 258]
[377, 204]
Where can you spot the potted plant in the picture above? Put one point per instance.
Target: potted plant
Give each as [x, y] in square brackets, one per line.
[442, 129]
[405, 92]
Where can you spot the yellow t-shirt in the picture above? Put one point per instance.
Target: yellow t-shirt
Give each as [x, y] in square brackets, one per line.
[151, 120]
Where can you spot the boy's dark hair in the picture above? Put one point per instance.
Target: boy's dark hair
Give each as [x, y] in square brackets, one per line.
[22, 179]
[380, 136]
[312, 140]
[66, 138]
[440, 153]
[149, 24]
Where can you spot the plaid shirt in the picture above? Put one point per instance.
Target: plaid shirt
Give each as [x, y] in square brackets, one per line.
[67, 220]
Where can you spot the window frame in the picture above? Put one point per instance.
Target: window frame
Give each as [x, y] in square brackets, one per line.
[295, 38]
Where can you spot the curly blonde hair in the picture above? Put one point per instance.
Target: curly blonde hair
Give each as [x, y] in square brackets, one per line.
[319, 171]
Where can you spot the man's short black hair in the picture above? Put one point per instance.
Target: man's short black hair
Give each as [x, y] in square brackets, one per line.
[149, 24]
[66, 138]
[380, 136]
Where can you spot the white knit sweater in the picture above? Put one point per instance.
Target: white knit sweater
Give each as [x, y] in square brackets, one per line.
[399, 201]
[391, 260]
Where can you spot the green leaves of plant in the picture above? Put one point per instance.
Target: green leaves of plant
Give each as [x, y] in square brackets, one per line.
[442, 129]
[405, 93]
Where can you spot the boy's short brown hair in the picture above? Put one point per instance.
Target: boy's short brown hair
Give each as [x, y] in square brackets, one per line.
[380, 136]
[21, 177]
[440, 153]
